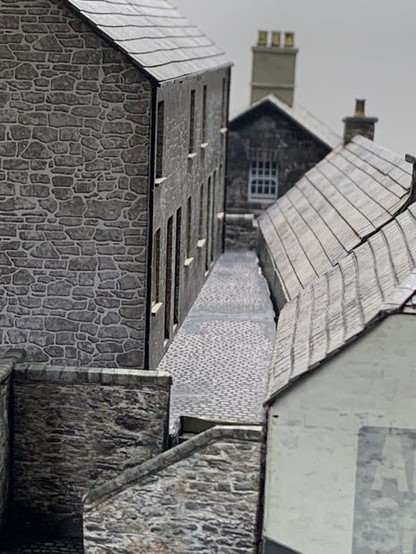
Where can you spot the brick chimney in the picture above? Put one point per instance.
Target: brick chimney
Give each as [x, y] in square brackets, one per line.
[359, 123]
[274, 65]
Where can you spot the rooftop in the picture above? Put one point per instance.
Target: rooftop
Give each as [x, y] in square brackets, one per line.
[301, 116]
[377, 279]
[154, 35]
[336, 206]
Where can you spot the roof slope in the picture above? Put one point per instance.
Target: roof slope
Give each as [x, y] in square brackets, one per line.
[337, 205]
[376, 279]
[302, 117]
[154, 35]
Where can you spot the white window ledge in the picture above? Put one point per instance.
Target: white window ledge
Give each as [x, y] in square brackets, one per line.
[156, 307]
[224, 130]
[204, 145]
[192, 155]
[159, 181]
[220, 215]
[188, 262]
[201, 243]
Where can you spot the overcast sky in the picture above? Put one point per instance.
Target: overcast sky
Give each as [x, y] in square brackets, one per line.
[347, 49]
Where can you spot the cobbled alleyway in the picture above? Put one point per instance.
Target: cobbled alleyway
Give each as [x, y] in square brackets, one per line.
[219, 359]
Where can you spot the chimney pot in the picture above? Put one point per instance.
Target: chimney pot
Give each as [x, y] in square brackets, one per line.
[289, 40]
[359, 123]
[276, 39]
[360, 108]
[263, 38]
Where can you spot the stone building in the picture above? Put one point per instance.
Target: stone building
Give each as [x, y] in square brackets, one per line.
[111, 178]
[273, 143]
[334, 208]
[342, 412]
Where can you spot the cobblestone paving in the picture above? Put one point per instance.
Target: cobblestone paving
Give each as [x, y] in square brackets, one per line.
[44, 547]
[220, 356]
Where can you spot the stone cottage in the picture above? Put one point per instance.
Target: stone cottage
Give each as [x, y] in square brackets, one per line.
[341, 406]
[273, 142]
[111, 178]
[335, 207]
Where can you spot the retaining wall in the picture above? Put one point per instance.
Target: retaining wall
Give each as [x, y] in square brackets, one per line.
[74, 428]
[201, 496]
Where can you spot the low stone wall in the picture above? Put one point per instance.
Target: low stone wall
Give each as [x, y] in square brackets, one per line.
[74, 428]
[6, 366]
[240, 232]
[201, 496]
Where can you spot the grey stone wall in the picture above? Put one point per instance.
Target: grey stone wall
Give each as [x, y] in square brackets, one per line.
[187, 177]
[74, 148]
[77, 427]
[6, 366]
[241, 232]
[265, 128]
[201, 496]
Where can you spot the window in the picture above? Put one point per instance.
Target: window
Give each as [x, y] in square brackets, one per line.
[208, 224]
[224, 103]
[204, 115]
[178, 258]
[201, 213]
[192, 123]
[160, 139]
[156, 268]
[168, 277]
[263, 178]
[189, 229]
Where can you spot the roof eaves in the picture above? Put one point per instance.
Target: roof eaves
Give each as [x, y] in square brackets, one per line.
[401, 295]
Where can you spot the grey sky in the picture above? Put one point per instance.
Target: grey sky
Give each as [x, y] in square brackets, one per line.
[348, 49]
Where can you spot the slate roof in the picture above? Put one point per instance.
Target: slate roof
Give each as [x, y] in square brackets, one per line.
[337, 205]
[300, 116]
[154, 35]
[375, 280]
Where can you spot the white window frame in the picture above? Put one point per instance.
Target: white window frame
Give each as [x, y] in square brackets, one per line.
[263, 177]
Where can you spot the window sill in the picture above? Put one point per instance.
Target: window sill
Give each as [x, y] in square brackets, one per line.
[188, 262]
[159, 181]
[220, 215]
[201, 243]
[204, 145]
[156, 307]
[192, 155]
[224, 130]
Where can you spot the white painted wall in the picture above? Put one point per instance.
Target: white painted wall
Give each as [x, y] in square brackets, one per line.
[312, 448]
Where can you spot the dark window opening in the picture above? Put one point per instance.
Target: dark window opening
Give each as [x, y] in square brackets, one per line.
[168, 280]
[189, 228]
[156, 268]
[177, 266]
[204, 115]
[160, 139]
[192, 123]
[201, 213]
[208, 225]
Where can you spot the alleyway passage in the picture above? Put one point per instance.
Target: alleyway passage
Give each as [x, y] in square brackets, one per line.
[220, 356]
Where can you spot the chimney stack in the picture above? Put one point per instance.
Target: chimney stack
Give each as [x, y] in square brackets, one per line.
[359, 123]
[274, 66]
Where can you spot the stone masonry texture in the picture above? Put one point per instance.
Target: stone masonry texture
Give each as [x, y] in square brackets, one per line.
[296, 152]
[241, 232]
[74, 428]
[74, 154]
[201, 496]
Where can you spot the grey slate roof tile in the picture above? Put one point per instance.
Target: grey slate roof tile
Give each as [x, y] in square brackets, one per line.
[377, 278]
[337, 205]
[154, 35]
[302, 117]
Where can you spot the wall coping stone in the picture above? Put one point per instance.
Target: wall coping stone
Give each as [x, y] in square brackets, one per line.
[41, 372]
[8, 362]
[130, 477]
